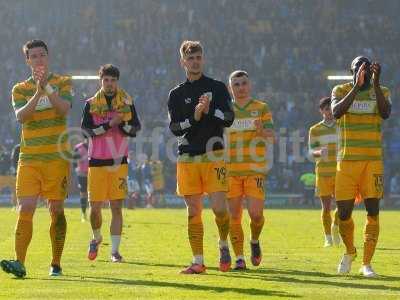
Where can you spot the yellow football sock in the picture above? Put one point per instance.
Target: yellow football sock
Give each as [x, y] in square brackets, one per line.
[195, 233]
[58, 230]
[346, 229]
[23, 235]
[371, 234]
[256, 228]
[237, 236]
[326, 221]
[222, 221]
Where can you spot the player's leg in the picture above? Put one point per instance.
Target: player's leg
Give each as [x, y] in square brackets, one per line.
[254, 192]
[95, 223]
[346, 229]
[194, 204]
[348, 174]
[335, 228]
[190, 187]
[58, 230]
[220, 208]
[326, 219]
[23, 236]
[118, 191]
[116, 229]
[235, 205]
[372, 191]
[28, 187]
[214, 177]
[55, 187]
[255, 207]
[98, 184]
[371, 234]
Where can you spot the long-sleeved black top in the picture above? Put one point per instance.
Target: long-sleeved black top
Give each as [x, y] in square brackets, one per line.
[193, 135]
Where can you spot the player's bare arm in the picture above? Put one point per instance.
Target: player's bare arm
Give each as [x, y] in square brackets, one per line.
[341, 106]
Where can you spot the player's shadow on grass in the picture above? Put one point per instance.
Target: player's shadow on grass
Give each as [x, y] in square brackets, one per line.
[178, 267]
[165, 284]
[279, 275]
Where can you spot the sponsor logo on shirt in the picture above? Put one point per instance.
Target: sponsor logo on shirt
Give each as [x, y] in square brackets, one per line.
[43, 103]
[243, 124]
[363, 107]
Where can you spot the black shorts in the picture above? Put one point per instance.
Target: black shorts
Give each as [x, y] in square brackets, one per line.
[82, 184]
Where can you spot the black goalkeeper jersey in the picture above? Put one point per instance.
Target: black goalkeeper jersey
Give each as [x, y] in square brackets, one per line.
[193, 135]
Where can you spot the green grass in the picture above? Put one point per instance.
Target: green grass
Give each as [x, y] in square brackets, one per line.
[155, 249]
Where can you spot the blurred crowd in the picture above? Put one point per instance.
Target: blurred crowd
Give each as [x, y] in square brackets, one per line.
[288, 47]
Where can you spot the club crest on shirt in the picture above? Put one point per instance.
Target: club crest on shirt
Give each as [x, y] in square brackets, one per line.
[254, 113]
[372, 94]
[127, 101]
[188, 100]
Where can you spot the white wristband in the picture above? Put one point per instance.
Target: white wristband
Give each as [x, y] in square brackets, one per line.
[49, 90]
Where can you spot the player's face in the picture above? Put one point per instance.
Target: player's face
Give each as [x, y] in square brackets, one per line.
[38, 57]
[193, 63]
[368, 74]
[240, 87]
[327, 113]
[109, 84]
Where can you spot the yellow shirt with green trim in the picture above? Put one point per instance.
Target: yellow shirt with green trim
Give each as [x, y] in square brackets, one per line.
[321, 135]
[360, 128]
[246, 152]
[43, 136]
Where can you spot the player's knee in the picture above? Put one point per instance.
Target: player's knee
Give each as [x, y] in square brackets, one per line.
[236, 214]
[26, 208]
[344, 213]
[195, 219]
[56, 210]
[372, 207]
[116, 211]
[345, 209]
[256, 216]
[95, 208]
[194, 211]
[221, 213]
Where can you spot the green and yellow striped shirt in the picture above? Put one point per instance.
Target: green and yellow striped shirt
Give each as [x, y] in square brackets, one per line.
[324, 135]
[247, 153]
[360, 128]
[44, 136]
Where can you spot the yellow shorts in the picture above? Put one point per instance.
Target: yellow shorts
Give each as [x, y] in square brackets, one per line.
[49, 180]
[107, 183]
[201, 178]
[364, 178]
[251, 186]
[325, 186]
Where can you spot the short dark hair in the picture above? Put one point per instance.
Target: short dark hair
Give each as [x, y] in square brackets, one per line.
[109, 70]
[190, 47]
[237, 74]
[33, 44]
[324, 102]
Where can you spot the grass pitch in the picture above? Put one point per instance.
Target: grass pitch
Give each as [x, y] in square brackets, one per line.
[155, 248]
